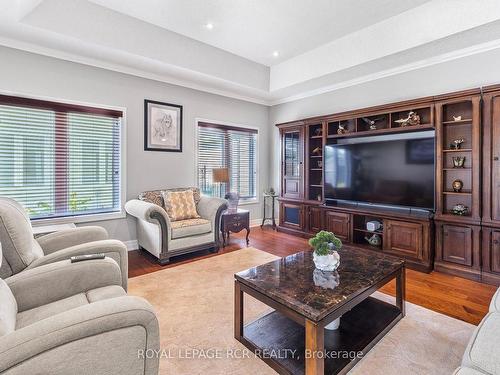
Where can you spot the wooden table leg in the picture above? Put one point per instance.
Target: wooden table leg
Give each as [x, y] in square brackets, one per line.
[401, 290]
[315, 347]
[238, 311]
[248, 233]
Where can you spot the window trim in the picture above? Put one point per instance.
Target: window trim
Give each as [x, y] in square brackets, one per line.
[245, 202]
[68, 104]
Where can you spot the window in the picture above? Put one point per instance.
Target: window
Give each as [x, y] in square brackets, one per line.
[60, 160]
[234, 148]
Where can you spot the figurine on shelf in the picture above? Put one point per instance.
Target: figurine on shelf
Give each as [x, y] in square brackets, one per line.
[457, 144]
[457, 186]
[460, 209]
[318, 132]
[457, 118]
[342, 129]
[411, 120]
[374, 240]
[320, 163]
[371, 123]
[458, 161]
[317, 151]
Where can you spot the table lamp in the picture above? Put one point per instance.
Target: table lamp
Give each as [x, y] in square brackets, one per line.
[221, 176]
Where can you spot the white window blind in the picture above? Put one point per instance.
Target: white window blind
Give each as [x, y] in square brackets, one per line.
[234, 148]
[59, 160]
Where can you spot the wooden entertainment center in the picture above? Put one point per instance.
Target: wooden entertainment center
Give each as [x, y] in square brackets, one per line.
[465, 245]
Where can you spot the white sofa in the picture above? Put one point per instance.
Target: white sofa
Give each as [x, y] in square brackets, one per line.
[482, 355]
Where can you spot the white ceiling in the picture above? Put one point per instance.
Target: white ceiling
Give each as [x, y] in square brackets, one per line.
[254, 29]
[324, 45]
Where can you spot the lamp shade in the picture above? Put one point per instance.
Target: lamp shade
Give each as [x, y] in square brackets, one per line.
[220, 175]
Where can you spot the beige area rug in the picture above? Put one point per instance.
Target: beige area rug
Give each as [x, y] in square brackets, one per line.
[194, 302]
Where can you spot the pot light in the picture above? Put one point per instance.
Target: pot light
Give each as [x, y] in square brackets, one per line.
[209, 26]
[276, 53]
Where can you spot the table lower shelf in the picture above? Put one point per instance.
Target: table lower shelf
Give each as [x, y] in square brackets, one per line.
[359, 330]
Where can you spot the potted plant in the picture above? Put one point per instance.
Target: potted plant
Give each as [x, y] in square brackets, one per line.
[325, 255]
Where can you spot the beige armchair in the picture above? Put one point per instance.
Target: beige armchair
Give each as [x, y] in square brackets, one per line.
[75, 318]
[21, 251]
[158, 235]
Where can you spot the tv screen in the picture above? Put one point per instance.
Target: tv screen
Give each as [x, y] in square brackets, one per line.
[382, 170]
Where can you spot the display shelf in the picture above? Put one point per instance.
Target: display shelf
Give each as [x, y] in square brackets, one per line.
[457, 122]
[459, 150]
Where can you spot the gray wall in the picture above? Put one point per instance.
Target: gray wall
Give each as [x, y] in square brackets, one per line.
[31, 74]
[469, 72]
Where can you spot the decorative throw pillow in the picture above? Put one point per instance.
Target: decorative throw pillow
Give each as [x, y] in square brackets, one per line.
[153, 196]
[180, 205]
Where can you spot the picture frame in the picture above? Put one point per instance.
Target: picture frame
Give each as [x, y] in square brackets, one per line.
[162, 126]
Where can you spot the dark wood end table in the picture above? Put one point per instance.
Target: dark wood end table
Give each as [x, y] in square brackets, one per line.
[234, 221]
[306, 300]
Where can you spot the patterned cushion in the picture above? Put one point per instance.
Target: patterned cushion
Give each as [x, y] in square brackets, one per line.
[190, 227]
[180, 205]
[188, 223]
[155, 196]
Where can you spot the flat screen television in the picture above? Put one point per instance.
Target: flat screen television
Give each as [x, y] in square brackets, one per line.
[386, 170]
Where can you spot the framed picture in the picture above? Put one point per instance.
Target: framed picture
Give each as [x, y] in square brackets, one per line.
[162, 126]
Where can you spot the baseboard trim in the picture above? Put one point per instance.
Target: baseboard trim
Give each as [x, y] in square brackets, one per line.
[255, 222]
[134, 244]
[131, 245]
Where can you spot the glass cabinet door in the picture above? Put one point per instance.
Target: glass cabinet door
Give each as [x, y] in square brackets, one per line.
[292, 163]
[292, 154]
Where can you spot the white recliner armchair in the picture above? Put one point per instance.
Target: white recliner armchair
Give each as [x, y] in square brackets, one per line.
[21, 251]
[75, 318]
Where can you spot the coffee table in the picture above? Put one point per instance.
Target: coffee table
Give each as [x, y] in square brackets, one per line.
[292, 339]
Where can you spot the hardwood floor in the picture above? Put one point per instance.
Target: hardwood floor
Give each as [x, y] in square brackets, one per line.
[450, 295]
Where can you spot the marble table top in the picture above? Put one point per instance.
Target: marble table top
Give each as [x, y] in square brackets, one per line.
[294, 281]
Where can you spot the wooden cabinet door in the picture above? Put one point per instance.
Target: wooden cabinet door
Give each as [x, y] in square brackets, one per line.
[457, 244]
[339, 224]
[315, 219]
[495, 252]
[292, 215]
[491, 158]
[491, 250]
[404, 238]
[292, 155]
[495, 160]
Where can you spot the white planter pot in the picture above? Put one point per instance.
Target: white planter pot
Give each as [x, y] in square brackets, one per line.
[328, 262]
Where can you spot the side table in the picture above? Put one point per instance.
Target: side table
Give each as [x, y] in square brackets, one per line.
[234, 221]
[265, 215]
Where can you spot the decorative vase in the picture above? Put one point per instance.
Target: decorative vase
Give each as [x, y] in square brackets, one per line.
[329, 262]
[233, 200]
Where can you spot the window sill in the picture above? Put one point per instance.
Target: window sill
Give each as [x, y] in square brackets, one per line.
[248, 202]
[79, 219]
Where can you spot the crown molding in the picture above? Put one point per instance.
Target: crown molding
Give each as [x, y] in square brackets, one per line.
[191, 84]
[446, 57]
[261, 98]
